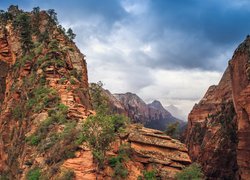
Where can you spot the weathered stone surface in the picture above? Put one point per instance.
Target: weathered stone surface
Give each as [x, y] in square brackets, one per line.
[152, 115]
[239, 68]
[14, 151]
[211, 136]
[151, 150]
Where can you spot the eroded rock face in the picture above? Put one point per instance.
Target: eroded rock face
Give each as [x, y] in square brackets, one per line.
[212, 131]
[152, 115]
[239, 68]
[19, 78]
[151, 150]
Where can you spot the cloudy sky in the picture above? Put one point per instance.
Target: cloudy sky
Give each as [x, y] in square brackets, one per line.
[167, 50]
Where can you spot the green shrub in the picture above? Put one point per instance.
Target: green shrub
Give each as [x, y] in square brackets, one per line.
[72, 80]
[33, 140]
[34, 174]
[172, 129]
[148, 175]
[120, 172]
[42, 97]
[117, 163]
[18, 112]
[192, 172]
[62, 80]
[67, 175]
[113, 161]
[80, 139]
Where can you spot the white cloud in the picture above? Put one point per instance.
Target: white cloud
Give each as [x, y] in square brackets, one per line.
[182, 88]
[127, 56]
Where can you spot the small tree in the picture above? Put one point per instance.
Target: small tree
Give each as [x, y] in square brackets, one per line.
[99, 133]
[53, 16]
[100, 130]
[36, 20]
[36, 10]
[172, 129]
[99, 101]
[22, 22]
[71, 34]
[191, 172]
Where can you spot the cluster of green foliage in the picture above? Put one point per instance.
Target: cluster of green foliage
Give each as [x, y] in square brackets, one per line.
[228, 122]
[22, 23]
[198, 133]
[148, 175]
[192, 172]
[67, 175]
[71, 34]
[172, 130]
[36, 96]
[100, 130]
[117, 163]
[34, 174]
[36, 21]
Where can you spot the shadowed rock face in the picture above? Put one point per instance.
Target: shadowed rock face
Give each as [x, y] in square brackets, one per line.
[224, 112]
[211, 135]
[3, 73]
[152, 115]
[240, 73]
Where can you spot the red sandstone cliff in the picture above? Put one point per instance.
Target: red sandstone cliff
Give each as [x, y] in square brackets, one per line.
[218, 127]
[44, 101]
[240, 73]
[32, 89]
[211, 136]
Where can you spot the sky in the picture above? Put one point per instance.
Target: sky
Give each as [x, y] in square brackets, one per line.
[167, 50]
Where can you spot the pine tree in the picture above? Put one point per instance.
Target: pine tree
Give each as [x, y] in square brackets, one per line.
[53, 16]
[36, 20]
[71, 34]
[22, 22]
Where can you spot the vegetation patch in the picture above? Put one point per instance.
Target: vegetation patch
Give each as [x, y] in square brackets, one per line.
[191, 172]
[34, 174]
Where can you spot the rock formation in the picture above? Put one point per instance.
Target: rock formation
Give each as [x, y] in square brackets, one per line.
[211, 136]
[152, 115]
[150, 150]
[218, 127]
[44, 100]
[240, 75]
[34, 89]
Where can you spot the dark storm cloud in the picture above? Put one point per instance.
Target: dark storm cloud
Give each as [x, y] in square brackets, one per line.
[110, 10]
[202, 32]
[185, 33]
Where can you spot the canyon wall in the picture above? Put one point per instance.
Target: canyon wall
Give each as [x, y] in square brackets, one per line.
[219, 125]
[240, 73]
[44, 101]
[211, 136]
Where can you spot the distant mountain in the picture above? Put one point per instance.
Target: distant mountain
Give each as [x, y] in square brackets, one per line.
[176, 112]
[152, 115]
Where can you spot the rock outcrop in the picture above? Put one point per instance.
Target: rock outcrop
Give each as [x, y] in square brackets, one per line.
[218, 127]
[150, 150]
[211, 136]
[36, 86]
[240, 73]
[44, 100]
[152, 115]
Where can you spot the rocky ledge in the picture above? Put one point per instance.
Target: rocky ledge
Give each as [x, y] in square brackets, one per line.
[151, 150]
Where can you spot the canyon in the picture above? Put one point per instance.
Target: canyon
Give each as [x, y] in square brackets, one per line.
[45, 100]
